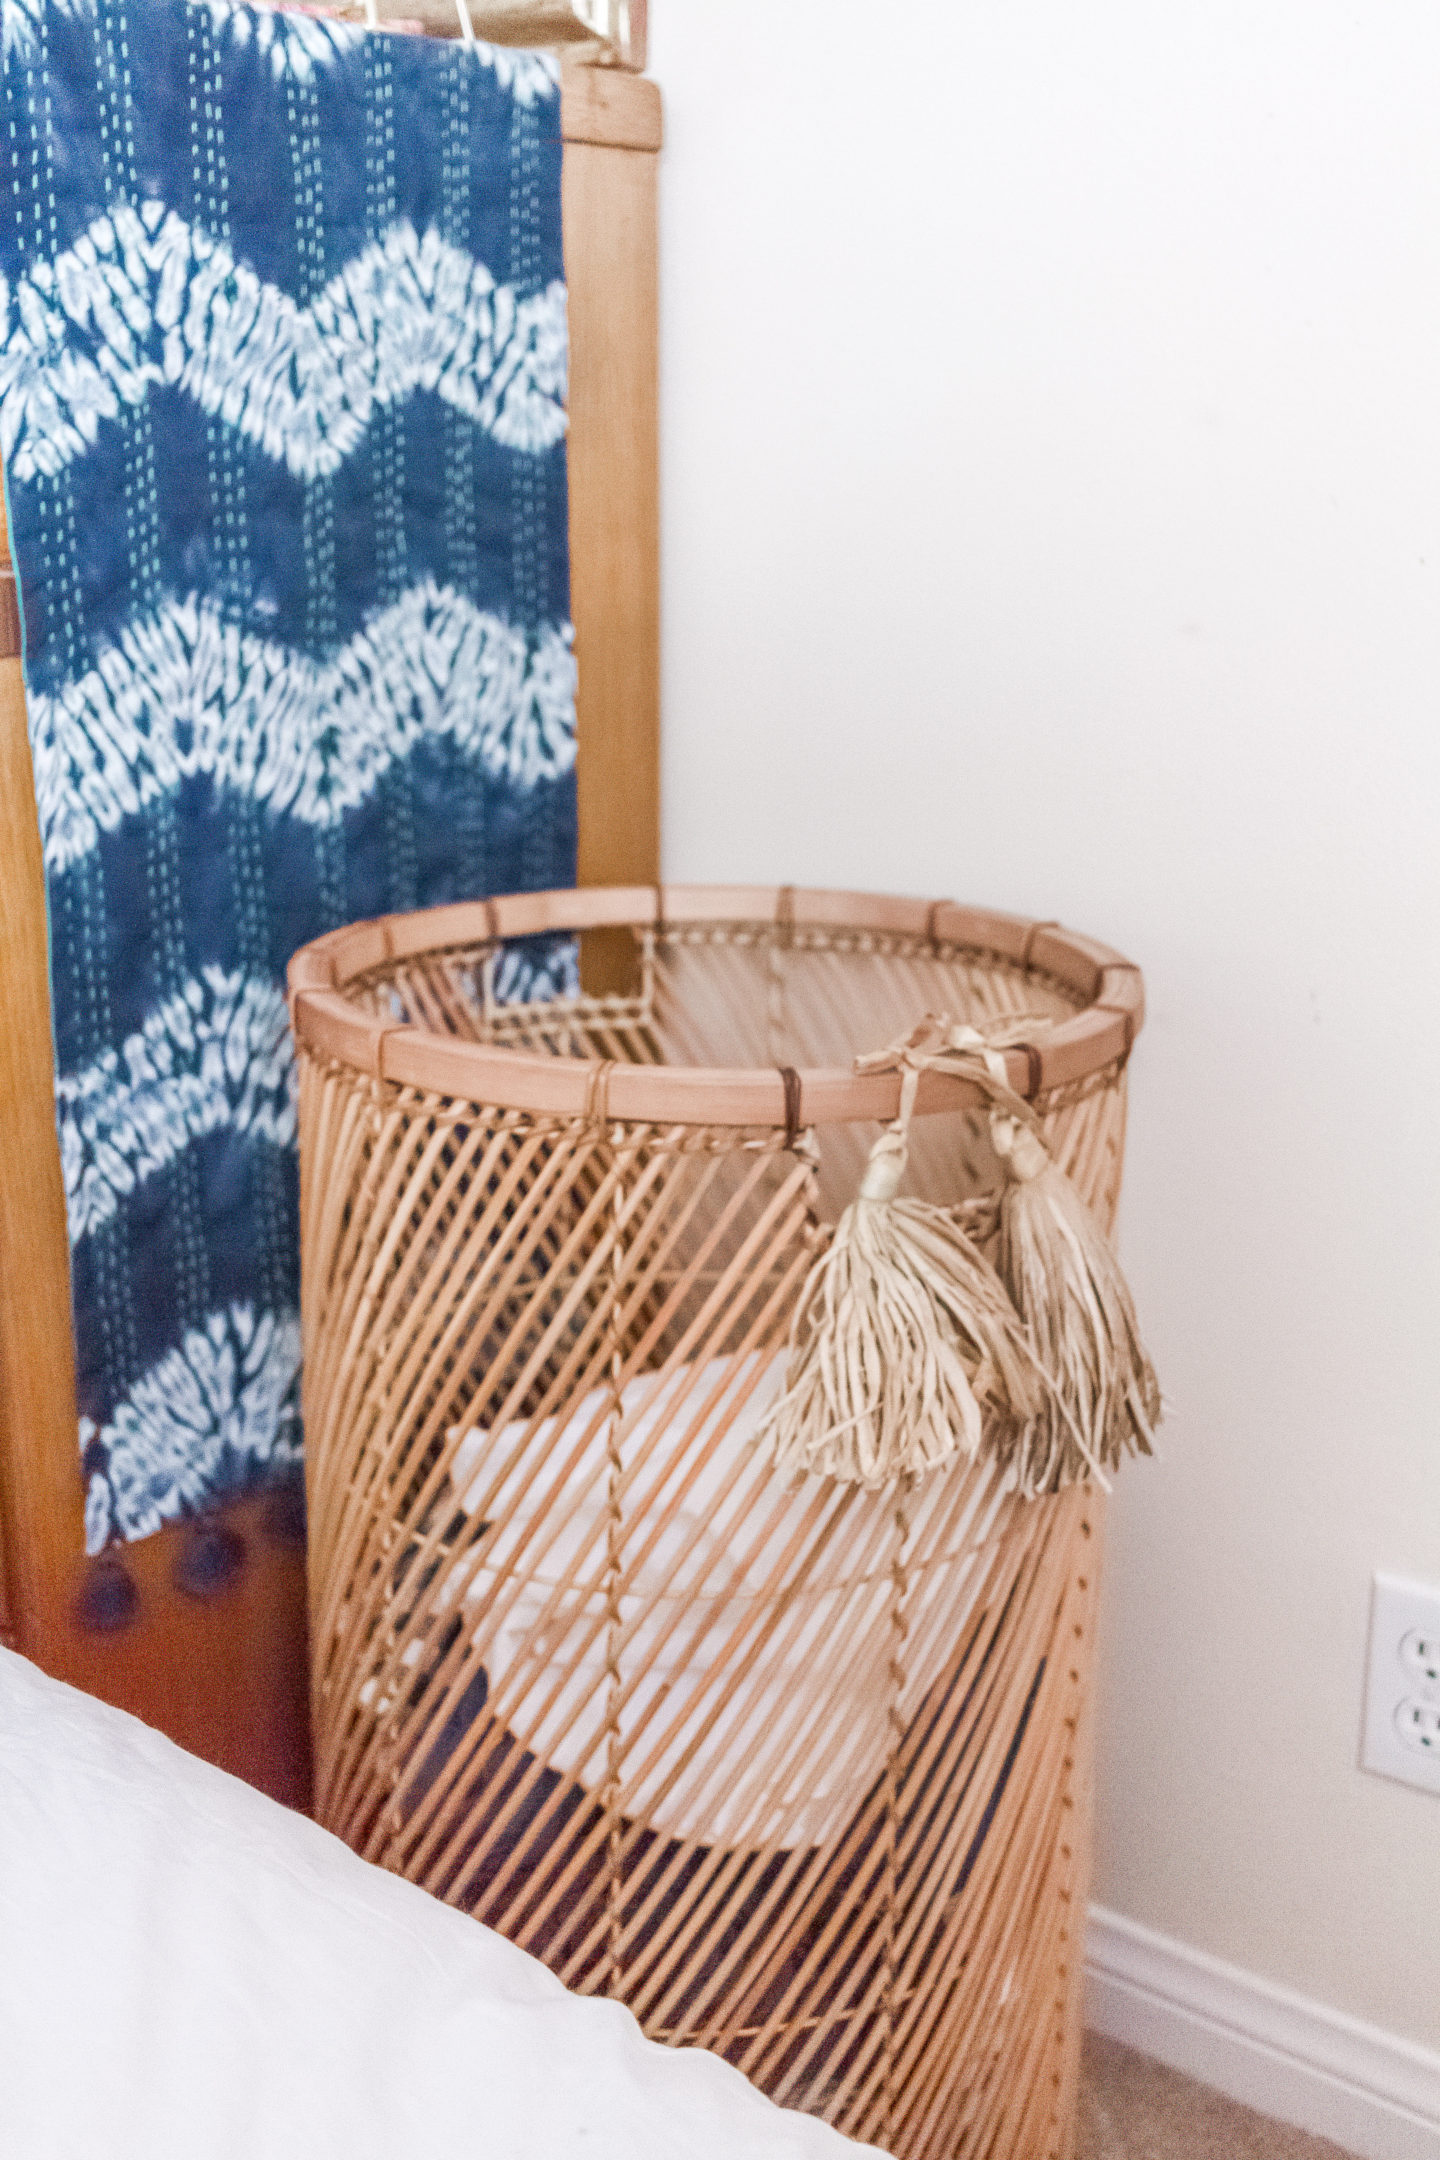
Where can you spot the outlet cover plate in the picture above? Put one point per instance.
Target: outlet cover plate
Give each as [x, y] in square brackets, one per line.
[1402, 1689]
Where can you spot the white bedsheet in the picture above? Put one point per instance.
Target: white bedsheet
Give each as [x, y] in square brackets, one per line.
[190, 1972]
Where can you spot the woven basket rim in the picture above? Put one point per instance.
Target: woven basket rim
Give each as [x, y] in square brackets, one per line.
[330, 1023]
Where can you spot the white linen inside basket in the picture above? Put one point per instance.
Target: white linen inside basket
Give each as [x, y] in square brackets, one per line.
[706, 1747]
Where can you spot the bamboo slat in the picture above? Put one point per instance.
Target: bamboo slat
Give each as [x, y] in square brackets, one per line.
[800, 1774]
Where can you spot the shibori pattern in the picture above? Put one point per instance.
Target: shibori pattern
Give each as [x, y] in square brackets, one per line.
[282, 383]
[156, 301]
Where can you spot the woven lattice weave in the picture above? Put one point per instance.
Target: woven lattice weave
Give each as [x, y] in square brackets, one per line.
[800, 1773]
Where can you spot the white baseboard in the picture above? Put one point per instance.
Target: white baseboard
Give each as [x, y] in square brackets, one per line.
[1375, 2095]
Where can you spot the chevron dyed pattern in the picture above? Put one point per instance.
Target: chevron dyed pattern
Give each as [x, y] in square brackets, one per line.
[282, 410]
[223, 1399]
[144, 298]
[187, 692]
[216, 1054]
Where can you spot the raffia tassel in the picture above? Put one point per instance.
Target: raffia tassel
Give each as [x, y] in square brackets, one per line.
[903, 1341]
[1062, 1274]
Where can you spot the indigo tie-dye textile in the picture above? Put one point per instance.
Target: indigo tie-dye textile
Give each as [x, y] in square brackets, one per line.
[281, 410]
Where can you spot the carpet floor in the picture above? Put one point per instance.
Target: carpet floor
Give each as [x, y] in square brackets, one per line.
[1135, 2109]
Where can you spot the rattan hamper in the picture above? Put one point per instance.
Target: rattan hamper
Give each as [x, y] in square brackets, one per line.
[800, 1772]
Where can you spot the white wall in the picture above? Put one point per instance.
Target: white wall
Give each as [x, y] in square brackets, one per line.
[1052, 518]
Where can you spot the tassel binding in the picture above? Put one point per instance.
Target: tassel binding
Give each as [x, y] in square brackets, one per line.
[903, 1342]
[1066, 1284]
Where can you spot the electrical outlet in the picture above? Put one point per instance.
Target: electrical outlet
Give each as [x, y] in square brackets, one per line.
[1402, 1690]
